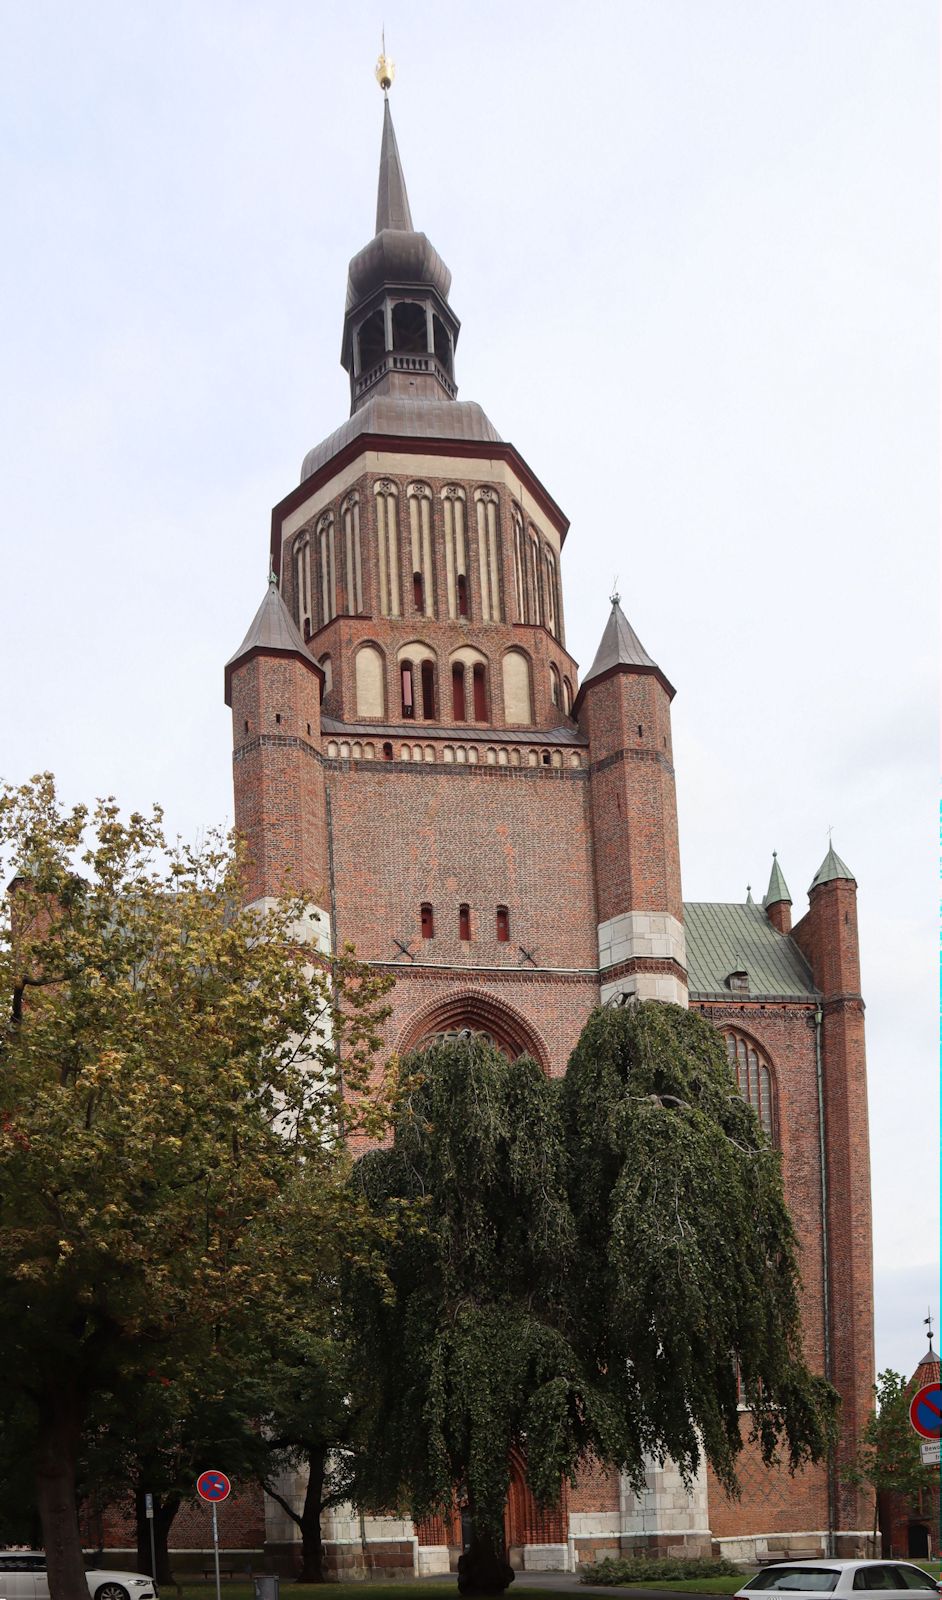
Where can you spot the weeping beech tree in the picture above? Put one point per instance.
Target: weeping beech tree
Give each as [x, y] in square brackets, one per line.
[588, 1261]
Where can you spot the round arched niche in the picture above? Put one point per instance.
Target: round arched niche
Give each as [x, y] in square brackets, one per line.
[476, 1014]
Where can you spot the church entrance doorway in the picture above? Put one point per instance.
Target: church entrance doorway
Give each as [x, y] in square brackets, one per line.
[917, 1544]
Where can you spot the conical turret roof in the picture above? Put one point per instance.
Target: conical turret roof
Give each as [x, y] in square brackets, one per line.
[778, 888]
[621, 647]
[273, 631]
[832, 867]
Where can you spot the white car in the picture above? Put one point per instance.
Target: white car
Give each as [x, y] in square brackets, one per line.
[23, 1577]
[807, 1580]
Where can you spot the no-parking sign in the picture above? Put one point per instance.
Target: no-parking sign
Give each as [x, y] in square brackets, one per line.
[925, 1411]
[213, 1486]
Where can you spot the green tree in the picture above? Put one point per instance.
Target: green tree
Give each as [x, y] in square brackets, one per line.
[889, 1459]
[593, 1257]
[171, 1098]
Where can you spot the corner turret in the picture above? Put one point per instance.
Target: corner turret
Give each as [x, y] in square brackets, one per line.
[778, 902]
[624, 709]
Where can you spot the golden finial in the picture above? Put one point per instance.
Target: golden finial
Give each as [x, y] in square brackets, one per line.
[385, 69]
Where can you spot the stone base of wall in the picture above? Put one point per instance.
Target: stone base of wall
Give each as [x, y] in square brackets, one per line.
[754, 1549]
[435, 1558]
[685, 1546]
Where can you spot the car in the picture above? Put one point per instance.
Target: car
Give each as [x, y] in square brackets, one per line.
[806, 1580]
[23, 1577]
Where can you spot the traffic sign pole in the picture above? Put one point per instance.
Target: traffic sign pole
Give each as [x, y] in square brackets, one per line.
[216, 1551]
[149, 1513]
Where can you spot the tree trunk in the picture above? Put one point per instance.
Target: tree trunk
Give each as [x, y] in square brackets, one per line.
[165, 1509]
[482, 1569]
[58, 1437]
[312, 1547]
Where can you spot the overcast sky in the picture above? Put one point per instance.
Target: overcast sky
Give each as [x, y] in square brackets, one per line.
[694, 249]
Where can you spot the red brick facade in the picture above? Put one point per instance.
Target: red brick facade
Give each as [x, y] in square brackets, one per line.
[413, 752]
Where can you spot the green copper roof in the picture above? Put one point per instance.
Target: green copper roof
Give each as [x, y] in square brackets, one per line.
[730, 938]
[778, 888]
[831, 867]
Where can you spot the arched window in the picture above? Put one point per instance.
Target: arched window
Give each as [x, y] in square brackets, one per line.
[536, 579]
[409, 328]
[456, 550]
[419, 496]
[753, 1076]
[567, 697]
[387, 752]
[428, 920]
[353, 564]
[442, 345]
[326, 667]
[464, 923]
[428, 691]
[302, 585]
[457, 692]
[479, 683]
[518, 702]
[520, 565]
[368, 674]
[371, 340]
[408, 689]
[503, 925]
[487, 506]
[552, 592]
[387, 539]
[326, 569]
[554, 686]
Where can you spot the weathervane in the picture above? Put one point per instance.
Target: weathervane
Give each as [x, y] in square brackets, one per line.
[385, 69]
[927, 1322]
[615, 597]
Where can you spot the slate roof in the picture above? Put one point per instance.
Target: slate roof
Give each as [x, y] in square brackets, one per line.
[412, 419]
[272, 629]
[621, 647]
[728, 938]
[392, 202]
[465, 732]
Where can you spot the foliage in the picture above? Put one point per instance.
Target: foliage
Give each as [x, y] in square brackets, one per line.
[594, 1256]
[685, 1264]
[172, 1106]
[640, 1569]
[888, 1458]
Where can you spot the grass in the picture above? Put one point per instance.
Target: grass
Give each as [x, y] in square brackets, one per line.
[425, 1589]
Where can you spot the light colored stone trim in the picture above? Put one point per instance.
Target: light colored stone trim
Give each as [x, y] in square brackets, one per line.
[642, 933]
[545, 1558]
[646, 986]
[313, 928]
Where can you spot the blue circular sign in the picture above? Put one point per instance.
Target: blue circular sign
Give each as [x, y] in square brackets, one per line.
[925, 1411]
[213, 1486]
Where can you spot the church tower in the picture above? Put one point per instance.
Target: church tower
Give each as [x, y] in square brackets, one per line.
[413, 751]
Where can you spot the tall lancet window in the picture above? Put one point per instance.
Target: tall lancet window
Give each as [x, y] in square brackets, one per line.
[387, 540]
[552, 592]
[487, 506]
[302, 584]
[536, 580]
[520, 565]
[420, 533]
[326, 577]
[456, 550]
[353, 563]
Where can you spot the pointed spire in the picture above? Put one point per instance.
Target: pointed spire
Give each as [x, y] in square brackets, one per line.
[832, 867]
[273, 631]
[621, 647]
[778, 888]
[392, 202]
[749, 899]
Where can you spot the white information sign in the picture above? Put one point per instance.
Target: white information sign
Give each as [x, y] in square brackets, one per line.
[931, 1452]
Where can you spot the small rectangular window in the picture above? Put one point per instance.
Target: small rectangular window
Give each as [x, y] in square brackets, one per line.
[503, 925]
[464, 922]
[428, 921]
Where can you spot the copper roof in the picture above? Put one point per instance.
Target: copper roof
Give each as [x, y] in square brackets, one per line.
[621, 647]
